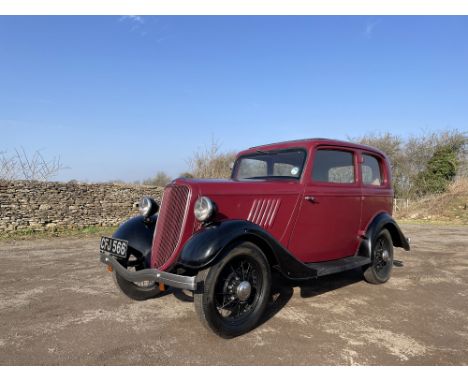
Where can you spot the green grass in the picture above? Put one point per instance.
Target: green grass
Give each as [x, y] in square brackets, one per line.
[95, 231]
[26, 234]
[431, 222]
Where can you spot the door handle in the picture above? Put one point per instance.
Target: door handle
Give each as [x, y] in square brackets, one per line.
[310, 198]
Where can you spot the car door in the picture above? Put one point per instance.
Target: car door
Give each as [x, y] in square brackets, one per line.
[329, 217]
[377, 193]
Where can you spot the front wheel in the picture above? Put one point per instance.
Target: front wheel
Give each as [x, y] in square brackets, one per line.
[136, 291]
[380, 270]
[234, 292]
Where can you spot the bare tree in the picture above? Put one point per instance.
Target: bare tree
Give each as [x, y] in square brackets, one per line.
[161, 180]
[393, 147]
[30, 167]
[410, 157]
[7, 167]
[210, 162]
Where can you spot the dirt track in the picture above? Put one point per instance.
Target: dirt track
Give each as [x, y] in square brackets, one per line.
[59, 306]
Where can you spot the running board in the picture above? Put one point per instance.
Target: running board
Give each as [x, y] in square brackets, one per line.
[335, 266]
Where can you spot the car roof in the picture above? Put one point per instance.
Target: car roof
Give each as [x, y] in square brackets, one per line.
[309, 142]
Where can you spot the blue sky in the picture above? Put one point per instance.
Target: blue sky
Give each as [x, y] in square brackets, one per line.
[124, 97]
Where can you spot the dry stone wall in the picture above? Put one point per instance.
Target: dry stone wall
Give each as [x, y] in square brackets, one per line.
[52, 205]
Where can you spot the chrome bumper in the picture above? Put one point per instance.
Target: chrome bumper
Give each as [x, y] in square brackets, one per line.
[170, 279]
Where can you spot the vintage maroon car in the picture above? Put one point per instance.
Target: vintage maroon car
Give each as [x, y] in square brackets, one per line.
[303, 208]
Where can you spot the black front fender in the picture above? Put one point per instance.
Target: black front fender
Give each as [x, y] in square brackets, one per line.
[213, 242]
[139, 233]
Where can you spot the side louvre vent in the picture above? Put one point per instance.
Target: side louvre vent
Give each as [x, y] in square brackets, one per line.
[263, 212]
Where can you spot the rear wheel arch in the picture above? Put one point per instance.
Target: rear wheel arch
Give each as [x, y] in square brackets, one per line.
[394, 233]
[383, 221]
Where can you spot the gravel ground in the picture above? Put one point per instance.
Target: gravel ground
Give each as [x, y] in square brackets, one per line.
[58, 306]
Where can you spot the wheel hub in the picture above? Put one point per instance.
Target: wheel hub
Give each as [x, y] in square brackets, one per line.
[385, 256]
[243, 290]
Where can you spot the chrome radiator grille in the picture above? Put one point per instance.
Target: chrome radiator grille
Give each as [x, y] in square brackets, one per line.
[169, 226]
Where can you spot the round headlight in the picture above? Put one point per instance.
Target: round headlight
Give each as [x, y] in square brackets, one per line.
[204, 209]
[148, 206]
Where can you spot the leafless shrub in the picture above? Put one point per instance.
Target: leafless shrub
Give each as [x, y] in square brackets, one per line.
[7, 166]
[30, 167]
[459, 186]
[392, 146]
[210, 162]
[119, 182]
[161, 180]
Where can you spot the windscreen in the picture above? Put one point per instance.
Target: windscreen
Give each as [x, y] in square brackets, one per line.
[270, 164]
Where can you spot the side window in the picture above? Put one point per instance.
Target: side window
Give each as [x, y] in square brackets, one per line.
[371, 173]
[250, 167]
[333, 166]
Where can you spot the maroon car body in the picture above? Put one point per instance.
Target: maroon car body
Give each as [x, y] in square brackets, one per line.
[314, 207]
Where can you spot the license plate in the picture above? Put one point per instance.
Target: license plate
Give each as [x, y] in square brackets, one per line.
[115, 247]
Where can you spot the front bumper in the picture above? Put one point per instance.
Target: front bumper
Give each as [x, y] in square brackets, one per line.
[170, 279]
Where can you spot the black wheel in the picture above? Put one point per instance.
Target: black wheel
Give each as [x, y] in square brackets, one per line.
[234, 293]
[136, 291]
[381, 267]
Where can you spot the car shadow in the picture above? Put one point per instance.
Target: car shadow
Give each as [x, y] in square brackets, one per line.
[330, 283]
[283, 289]
[308, 289]
[281, 293]
[398, 263]
[182, 295]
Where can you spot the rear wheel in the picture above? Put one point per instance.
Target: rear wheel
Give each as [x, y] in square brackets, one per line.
[136, 291]
[381, 267]
[234, 292]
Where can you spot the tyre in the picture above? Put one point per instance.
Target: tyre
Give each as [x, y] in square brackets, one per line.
[136, 291]
[234, 293]
[380, 270]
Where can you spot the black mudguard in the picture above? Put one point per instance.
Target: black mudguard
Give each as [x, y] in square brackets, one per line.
[383, 221]
[139, 232]
[214, 241]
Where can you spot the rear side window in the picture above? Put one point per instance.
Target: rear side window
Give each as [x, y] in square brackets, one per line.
[371, 173]
[333, 166]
